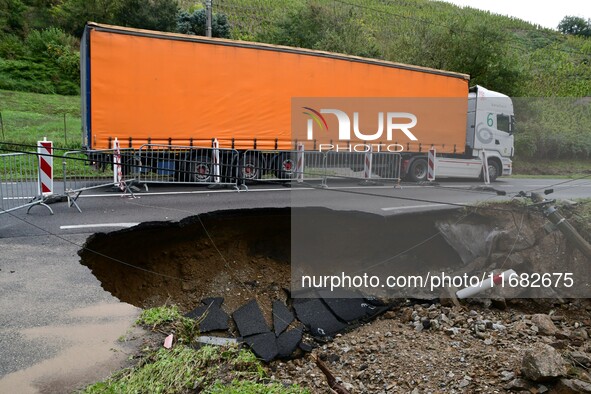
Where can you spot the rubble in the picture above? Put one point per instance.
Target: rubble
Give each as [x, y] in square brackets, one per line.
[544, 324]
[543, 363]
[461, 350]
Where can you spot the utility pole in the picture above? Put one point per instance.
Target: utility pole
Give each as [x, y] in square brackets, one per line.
[208, 14]
[565, 227]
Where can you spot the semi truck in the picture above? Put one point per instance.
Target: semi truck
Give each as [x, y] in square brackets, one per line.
[148, 87]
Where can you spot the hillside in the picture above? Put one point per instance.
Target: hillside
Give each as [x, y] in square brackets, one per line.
[39, 43]
[38, 39]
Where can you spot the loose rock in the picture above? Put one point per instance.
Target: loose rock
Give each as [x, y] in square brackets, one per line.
[543, 363]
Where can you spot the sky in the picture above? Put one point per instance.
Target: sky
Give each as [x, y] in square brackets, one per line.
[547, 13]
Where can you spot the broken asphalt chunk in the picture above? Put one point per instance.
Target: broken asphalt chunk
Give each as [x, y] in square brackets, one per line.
[263, 345]
[217, 301]
[250, 320]
[349, 306]
[318, 318]
[215, 318]
[288, 342]
[282, 317]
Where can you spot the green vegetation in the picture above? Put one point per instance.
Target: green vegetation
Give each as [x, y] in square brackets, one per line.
[28, 117]
[581, 218]
[169, 318]
[159, 316]
[39, 53]
[184, 369]
[195, 24]
[575, 25]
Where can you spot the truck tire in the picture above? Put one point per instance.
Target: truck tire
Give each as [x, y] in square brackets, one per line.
[494, 170]
[284, 166]
[250, 169]
[417, 171]
[198, 169]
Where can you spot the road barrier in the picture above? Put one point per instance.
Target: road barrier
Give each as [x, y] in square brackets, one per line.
[21, 185]
[431, 164]
[367, 166]
[485, 173]
[300, 163]
[274, 166]
[85, 170]
[28, 177]
[45, 151]
[186, 165]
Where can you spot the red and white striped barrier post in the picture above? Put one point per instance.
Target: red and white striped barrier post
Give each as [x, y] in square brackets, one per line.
[300, 163]
[45, 151]
[367, 163]
[485, 174]
[117, 168]
[431, 164]
[216, 160]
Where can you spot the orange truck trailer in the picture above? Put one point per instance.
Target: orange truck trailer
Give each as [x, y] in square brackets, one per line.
[147, 87]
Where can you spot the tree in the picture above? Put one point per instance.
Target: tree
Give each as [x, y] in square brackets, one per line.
[12, 17]
[576, 26]
[72, 15]
[317, 26]
[478, 49]
[195, 23]
[147, 14]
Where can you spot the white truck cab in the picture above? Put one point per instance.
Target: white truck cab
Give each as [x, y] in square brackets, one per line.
[489, 128]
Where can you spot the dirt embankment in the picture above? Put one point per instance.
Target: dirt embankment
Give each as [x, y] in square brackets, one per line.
[420, 346]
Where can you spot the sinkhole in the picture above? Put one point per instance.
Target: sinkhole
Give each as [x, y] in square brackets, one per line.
[246, 254]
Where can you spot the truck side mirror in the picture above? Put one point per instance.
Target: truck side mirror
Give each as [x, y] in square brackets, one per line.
[512, 124]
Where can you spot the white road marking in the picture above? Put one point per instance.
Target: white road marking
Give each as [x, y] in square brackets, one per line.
[420, 206]
[77, 226]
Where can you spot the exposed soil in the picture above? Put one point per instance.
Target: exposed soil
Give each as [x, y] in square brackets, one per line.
[241, 255]
[177, 263]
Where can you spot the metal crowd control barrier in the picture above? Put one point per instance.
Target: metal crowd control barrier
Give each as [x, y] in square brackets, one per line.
[274, 165]
[186, 165]
[92, 169]
[300, 165]
[368, 167]
[19, 182]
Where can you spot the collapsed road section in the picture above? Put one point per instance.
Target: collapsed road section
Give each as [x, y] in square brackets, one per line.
[232, 268]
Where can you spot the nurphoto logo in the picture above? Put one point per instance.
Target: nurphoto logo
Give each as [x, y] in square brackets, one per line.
[394, 121]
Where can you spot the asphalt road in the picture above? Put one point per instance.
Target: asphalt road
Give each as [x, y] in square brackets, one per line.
[103, 210]
[59, 329]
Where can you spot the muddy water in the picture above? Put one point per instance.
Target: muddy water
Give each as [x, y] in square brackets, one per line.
[86, 359]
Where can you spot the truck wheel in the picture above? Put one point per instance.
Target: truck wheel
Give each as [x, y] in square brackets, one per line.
[250, 168]
[418, 170]
[284, 166]
[198, 169]
[494, 170]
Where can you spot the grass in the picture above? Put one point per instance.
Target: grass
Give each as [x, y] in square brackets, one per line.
[551, 168]
[581, 217]
[159, 316]
[28, 117]
[184, 369]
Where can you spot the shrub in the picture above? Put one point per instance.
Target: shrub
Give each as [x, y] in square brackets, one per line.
[12, 47]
